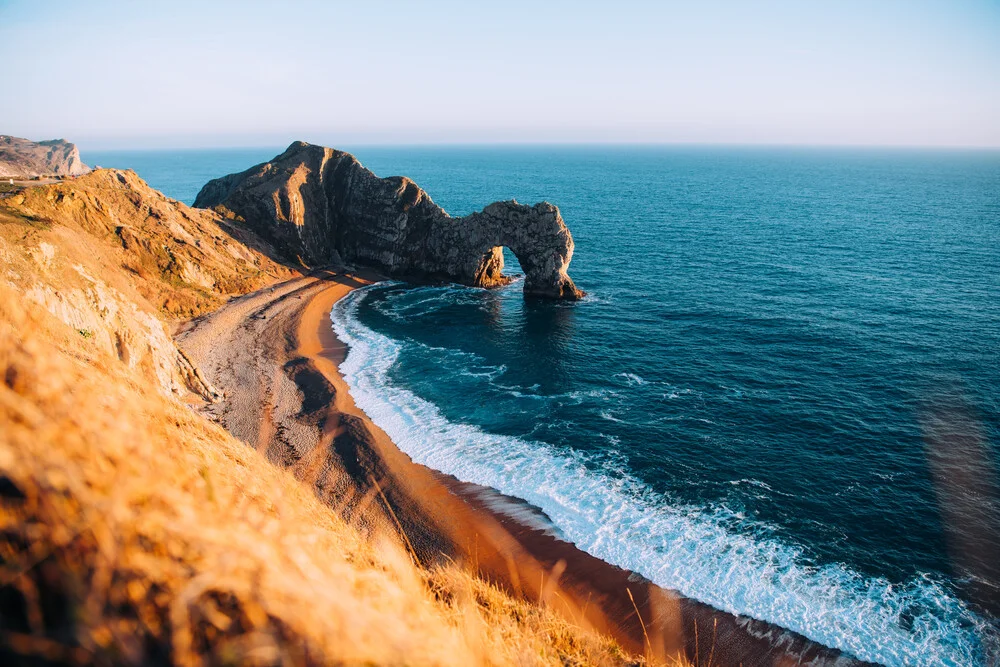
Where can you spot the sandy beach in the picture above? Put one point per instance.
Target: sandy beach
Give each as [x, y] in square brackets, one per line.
[275, 355]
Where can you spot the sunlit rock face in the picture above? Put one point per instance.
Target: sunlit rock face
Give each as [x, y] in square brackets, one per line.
[322, 206]
[22, 158]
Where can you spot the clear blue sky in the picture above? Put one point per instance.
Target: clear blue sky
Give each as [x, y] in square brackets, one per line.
[145, 74]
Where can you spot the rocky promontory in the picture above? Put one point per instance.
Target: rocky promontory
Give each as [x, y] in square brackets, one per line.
[22, 158]
[322, 206]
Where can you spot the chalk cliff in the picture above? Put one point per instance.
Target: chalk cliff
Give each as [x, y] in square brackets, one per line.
[21, 158]
[321, 205]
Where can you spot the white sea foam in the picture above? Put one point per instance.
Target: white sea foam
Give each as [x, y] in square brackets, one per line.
[752, 482]
[708, 554]
[607, 414]
[761, 485]
[521, 512]
[631, 378]
[488, 372]
[613, 440]
[677, 393]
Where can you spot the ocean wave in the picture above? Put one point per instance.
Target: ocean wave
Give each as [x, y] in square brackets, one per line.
[424, 300]
[518, 391]
[450, 351]
[707, 553]
[613, 440]
[677, 393]
[631, 379]
[593, 297]
[752, 482]
[520, 511]
[760, 485]
[488, 372]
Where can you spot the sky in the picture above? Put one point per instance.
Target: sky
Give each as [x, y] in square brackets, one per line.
[208, 74]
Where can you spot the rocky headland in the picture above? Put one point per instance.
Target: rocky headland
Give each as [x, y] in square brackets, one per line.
[24, 159]
[322, 206]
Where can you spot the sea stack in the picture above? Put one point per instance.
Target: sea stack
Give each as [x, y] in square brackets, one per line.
[322, 206]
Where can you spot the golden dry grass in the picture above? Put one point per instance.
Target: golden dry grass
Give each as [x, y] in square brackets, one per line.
[133, 531]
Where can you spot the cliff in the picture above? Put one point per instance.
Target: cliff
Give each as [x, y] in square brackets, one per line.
[322, 206]
[21, 158]
[119, 263]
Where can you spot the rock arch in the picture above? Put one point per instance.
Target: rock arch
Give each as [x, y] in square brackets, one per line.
[537, 236]
[318, 205]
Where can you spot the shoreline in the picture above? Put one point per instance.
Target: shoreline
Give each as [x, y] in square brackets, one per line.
[442, 518]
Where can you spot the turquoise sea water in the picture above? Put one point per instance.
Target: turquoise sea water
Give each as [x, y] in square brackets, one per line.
[780, 396]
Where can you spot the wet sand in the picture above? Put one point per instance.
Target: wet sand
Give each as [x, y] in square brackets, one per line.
[276, 356]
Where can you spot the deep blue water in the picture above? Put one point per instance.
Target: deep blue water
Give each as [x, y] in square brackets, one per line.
[180, 174]
[780, 396]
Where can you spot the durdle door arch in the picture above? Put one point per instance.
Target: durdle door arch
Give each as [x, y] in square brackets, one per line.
[322, 205]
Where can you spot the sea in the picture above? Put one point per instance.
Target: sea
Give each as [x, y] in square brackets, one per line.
[780, 396]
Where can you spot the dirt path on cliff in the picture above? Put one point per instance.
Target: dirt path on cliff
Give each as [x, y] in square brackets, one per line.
[275, 356]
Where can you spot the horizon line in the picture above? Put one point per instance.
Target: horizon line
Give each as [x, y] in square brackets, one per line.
[140, 146]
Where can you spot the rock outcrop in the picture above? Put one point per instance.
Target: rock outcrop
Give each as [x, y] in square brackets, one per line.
[21, 158]
[119, 264]
[322, 206]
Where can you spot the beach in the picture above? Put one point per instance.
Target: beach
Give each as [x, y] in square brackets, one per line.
[275, 356]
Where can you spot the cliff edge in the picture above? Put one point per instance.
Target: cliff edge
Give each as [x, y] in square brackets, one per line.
[323, 206]
[119, 264]
[22, 158]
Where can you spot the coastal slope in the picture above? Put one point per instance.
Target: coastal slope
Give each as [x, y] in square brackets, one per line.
[121, 264]
[23, 158]
[322, 206]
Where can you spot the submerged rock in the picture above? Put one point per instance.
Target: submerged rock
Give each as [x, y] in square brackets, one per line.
[321, 205]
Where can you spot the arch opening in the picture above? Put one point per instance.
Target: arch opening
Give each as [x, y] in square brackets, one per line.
[545, 276]
[499, 266]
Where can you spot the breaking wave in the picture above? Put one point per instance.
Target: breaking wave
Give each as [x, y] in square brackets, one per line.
[711, 554]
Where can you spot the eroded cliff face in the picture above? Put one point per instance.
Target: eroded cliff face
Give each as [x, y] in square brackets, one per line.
[322, 206]
[22, 158]
[117, 264]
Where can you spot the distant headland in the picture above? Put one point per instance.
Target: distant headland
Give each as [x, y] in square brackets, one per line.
[25, 159]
